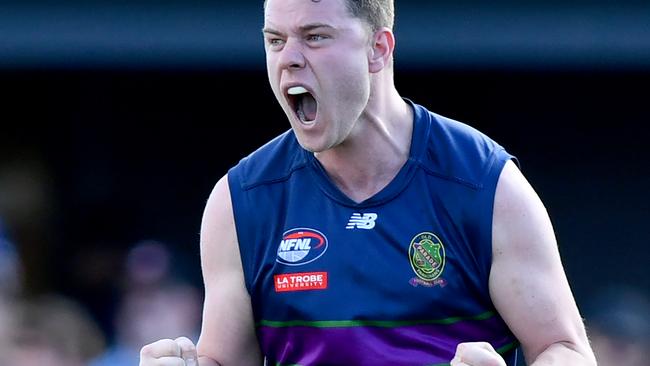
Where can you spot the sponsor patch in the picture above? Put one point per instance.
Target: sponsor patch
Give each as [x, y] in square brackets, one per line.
[427, 256]
[301, 246]
[302, 281]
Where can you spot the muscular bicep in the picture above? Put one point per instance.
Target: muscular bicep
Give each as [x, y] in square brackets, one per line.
[227, 334]
[527, 282]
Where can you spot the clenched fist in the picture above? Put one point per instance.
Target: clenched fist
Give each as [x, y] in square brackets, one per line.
[166, 352]
[477, 354]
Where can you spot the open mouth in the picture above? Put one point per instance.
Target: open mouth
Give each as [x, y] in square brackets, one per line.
[303, 103]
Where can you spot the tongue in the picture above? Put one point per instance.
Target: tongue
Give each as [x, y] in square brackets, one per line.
[309, 107]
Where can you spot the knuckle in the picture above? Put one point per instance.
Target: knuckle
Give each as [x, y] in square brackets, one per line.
[184, 341]
[496, 362]
[185, 344]
[146, 351]
[460, 347]
[160, 348]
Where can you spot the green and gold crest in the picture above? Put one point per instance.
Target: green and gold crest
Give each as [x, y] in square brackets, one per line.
[427, 256]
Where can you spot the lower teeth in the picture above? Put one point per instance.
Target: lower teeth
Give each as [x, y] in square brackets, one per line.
[301, 115]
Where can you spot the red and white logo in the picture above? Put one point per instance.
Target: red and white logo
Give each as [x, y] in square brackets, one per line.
[301, 246]
[300, 281]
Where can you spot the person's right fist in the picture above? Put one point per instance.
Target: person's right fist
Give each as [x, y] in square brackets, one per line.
[166, 352]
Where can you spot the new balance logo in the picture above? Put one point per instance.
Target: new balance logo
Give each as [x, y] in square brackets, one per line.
[365, 221]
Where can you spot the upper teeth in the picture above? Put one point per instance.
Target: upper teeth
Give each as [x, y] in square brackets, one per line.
[297, 90]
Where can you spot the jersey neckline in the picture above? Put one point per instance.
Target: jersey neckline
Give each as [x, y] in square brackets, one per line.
[421, 126]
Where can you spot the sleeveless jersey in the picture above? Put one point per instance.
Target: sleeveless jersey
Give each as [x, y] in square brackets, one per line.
[398, 279]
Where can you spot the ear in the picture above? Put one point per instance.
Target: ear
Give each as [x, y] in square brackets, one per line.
[381, 50]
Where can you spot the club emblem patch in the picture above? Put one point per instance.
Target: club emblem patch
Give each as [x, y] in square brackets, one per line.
[427, 256]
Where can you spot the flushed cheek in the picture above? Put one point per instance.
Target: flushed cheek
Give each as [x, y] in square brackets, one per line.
[350, 79]
[348, 97]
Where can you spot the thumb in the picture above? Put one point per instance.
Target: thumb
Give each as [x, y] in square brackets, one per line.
[188, 351]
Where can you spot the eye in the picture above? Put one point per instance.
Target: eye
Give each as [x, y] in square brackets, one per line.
[275, 42]
[315, 37]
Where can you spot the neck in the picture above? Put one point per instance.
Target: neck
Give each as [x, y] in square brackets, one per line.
[376, 149]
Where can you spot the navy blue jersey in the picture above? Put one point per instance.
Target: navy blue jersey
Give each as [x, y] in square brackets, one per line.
[398, 279]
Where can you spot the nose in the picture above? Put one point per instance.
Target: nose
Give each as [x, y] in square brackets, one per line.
[291, 56]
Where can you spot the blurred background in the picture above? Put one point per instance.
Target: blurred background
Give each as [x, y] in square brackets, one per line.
[118, 117]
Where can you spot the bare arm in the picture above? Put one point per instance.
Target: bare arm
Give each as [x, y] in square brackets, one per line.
[228, 333]
[527, 281]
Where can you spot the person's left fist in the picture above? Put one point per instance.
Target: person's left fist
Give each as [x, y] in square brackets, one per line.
[477, 354]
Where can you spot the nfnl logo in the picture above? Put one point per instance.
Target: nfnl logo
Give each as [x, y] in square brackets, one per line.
[365, 221]
[301, 246]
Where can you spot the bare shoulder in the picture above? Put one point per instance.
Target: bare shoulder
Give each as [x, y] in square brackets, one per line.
[228, 333]
[218, 234]
[528, 285]
[518, 213]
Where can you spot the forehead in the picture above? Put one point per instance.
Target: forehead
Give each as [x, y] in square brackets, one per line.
[293, 13]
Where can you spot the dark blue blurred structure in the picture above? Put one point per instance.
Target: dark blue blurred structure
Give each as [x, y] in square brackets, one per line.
[121, 116]
[226, 34]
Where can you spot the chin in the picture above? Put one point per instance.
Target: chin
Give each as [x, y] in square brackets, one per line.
[311, 145]
[314, 148]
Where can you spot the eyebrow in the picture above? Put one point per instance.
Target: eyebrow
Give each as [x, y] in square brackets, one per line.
[303, 28]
